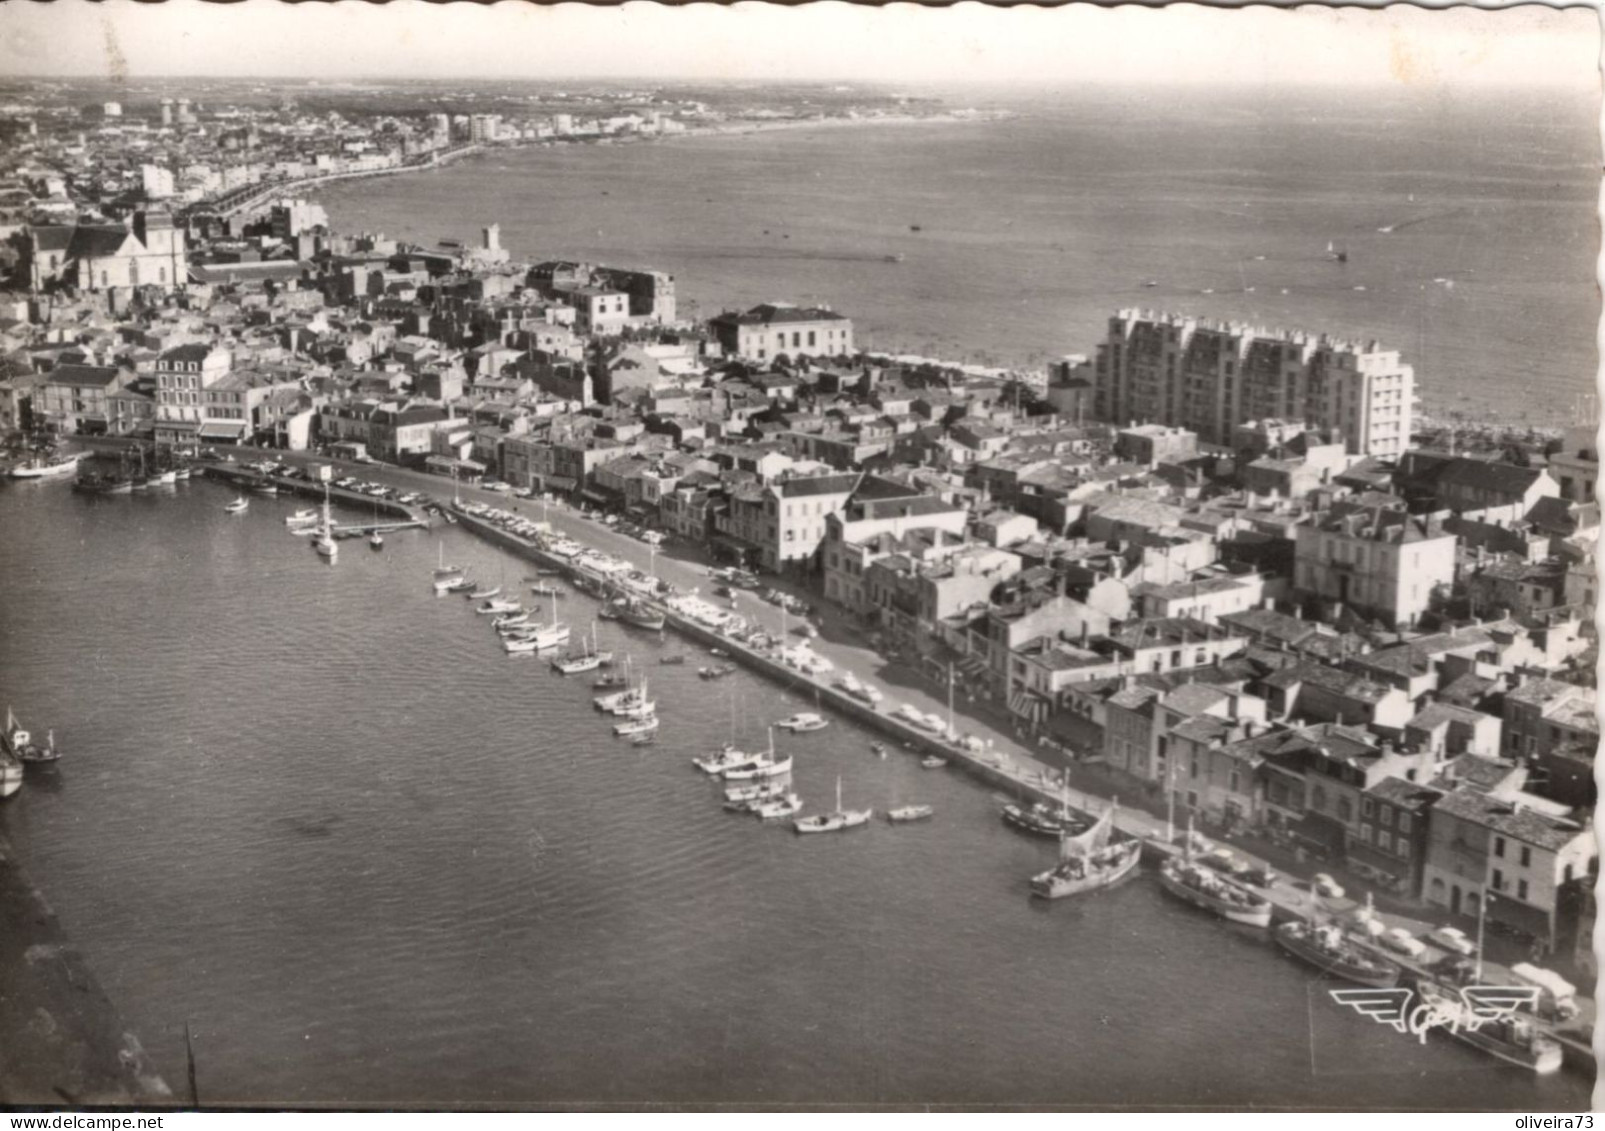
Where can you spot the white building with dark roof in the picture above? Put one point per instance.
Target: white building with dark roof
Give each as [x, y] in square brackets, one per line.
[771, 329]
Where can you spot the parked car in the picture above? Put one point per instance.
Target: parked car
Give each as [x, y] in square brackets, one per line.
[1400, 940]
[1325, 885]
[1454, 940]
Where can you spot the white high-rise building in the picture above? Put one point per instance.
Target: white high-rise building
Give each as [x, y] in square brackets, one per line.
[1209, 377]
[156, 181]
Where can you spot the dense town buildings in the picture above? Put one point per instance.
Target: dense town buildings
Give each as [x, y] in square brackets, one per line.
[1214, 559]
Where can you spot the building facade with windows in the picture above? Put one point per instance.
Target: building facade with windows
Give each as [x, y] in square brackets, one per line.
[1210, 377]
[765, 332]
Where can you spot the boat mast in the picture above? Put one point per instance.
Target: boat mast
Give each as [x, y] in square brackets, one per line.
[950, 701]
[1482, 914]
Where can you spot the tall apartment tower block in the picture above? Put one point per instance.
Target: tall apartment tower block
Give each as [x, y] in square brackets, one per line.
[1209, 377]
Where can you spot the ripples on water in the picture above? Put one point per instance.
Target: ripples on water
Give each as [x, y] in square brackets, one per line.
[1034, 231]
[317, 813]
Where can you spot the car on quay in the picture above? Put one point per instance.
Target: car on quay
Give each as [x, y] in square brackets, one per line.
[1401, 941]
[1454, 940]
[1325, 885]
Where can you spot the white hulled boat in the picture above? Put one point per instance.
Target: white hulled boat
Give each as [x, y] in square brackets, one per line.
[239, 506]
[46, 469]
[1092, 860]
[835, 821]
[446, 576]
[324, 543]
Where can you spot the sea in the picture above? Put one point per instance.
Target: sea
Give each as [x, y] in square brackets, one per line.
[1468, 220]
[313, 814]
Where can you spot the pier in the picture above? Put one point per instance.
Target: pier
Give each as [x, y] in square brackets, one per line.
[403, 517]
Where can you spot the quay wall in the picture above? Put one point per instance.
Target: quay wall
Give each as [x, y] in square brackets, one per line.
[1287, 902]
[247, 479]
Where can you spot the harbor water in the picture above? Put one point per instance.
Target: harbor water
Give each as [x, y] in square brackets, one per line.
[1033, 231]
[315, 813]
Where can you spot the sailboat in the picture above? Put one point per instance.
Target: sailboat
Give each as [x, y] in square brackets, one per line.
[835, 821]
[589, 659]
[324, 543]
[759, 766]
[551, 635]
[1094, 859]
[1336, 254]
[446, 576]
[376, 541]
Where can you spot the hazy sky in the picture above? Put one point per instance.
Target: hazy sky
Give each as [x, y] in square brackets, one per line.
[896, 44]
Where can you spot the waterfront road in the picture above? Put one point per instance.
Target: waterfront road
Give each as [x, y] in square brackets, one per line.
[1032, 771]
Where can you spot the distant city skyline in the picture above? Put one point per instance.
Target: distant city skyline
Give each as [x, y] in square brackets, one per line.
[1400, 45]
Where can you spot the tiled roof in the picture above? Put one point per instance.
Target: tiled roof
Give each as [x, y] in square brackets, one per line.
[1488, 475]
[1509, 817]
[770, 314]
[1405, 794]
[85, 376]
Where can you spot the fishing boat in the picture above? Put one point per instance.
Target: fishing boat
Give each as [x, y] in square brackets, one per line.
[717, 671]
[167, 478]
[262, 487]
[447, 577]
[778, 808]
[836, 820]
[720, 652]
[306, 516]
[376, 541]
[546, 590]
[803, 723]
[18, 743]
[499, 607]
[636, 726]
[516, 645]
[464, 586]
[727, 758]
[764, 766]
[46, 469]
[1092, 860]
[510, 620]
[1512, 1037]
[638, 614]
[906, 813]
[1041, 819]
[757, 791]
[181, 473]
[759, 766]
[478, 594]
[878, 749]
[239, 506]
[1207, 888]
[1324, 947]
[933, 762]
[609, 679]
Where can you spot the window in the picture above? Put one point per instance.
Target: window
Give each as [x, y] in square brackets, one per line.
[1366, 806]
[1365, 833]
[1499, 847]
[1192, 799]
[1526, 857]
[1192, 770]
[1233, 781]
[1318, 798]
[1521, 889]
[1499, 880]
[1384, 841]
[1403, 847]
[1385, 814]
[1345, 809]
